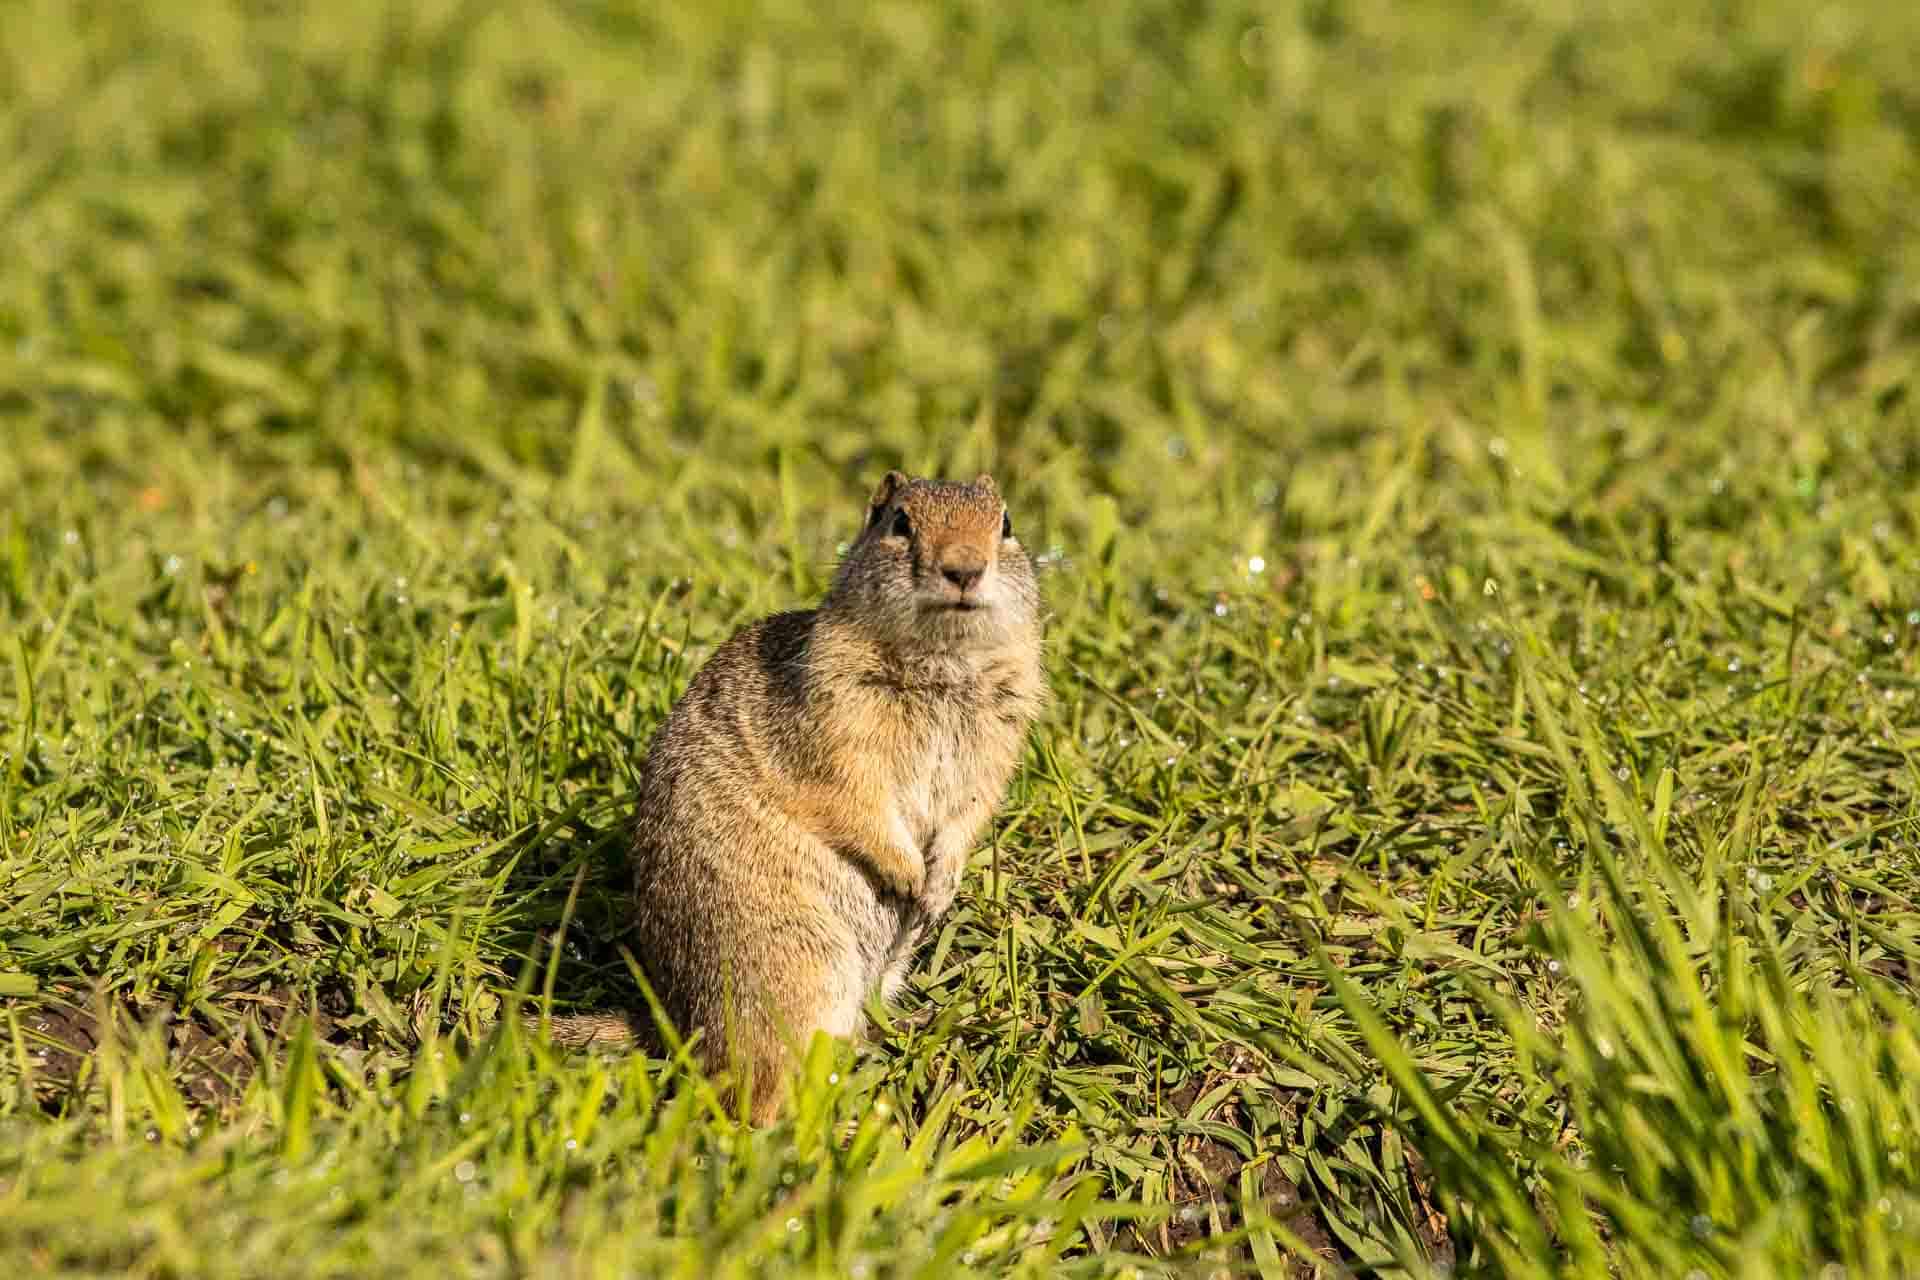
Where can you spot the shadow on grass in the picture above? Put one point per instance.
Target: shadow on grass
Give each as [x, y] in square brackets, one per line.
[569, 899]
[554, 928]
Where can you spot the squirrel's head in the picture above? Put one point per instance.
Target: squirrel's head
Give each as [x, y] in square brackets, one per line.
[937, 563]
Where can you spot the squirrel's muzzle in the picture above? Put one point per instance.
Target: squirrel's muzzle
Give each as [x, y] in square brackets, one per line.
[962, 566]
[963, 576]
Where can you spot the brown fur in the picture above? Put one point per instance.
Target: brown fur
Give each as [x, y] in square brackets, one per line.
[807, 809]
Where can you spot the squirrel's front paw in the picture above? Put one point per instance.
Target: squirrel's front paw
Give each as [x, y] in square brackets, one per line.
[898, 867]
[943, 881]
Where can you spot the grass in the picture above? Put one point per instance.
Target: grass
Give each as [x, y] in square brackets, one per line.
[1474, 456]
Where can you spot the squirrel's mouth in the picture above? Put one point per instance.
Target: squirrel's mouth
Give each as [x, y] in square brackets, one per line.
[957, 606]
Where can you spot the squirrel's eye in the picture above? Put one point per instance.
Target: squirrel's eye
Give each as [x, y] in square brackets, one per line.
[1006, 524]
[902, 527]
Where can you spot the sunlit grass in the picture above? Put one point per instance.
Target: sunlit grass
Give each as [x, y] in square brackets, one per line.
[1473, 459]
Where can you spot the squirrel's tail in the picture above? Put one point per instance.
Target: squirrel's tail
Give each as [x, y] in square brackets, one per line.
[584, 1030]
[569, 1031]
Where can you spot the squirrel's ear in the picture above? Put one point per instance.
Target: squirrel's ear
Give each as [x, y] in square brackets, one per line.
[985, 481]
[890, 484]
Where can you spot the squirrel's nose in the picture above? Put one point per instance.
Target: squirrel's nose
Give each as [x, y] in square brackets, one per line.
[963, 576]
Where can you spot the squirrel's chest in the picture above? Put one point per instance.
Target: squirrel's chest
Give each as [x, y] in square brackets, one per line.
[953, 767]
[942, 751]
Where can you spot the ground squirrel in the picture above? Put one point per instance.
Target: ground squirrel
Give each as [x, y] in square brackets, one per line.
[807, 808]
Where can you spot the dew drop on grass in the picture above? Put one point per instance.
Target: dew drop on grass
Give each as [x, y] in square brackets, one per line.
[1256, 564]
[1253, 45]
[1734, 665]
[464, 1171]
[793, 1226]
[573, 1144]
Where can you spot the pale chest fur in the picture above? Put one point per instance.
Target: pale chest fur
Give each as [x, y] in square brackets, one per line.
[941, 749]
[952, 771]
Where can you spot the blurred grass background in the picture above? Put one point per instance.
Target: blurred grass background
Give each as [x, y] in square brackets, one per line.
[1473, 453]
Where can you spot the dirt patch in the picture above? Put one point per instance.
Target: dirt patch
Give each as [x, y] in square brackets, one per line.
[1283, 1200]
[1207, 1202]
[1205, 1190]
[58, 1038]
[1430, 1224]
[209, 1060]
[1205, 1185]
[211, 1069]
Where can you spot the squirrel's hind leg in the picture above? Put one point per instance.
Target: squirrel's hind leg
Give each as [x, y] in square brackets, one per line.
[893, 976]
[894, 980]
[761, 1050]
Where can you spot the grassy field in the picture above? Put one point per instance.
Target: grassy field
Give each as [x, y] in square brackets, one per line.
[1474, 455]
